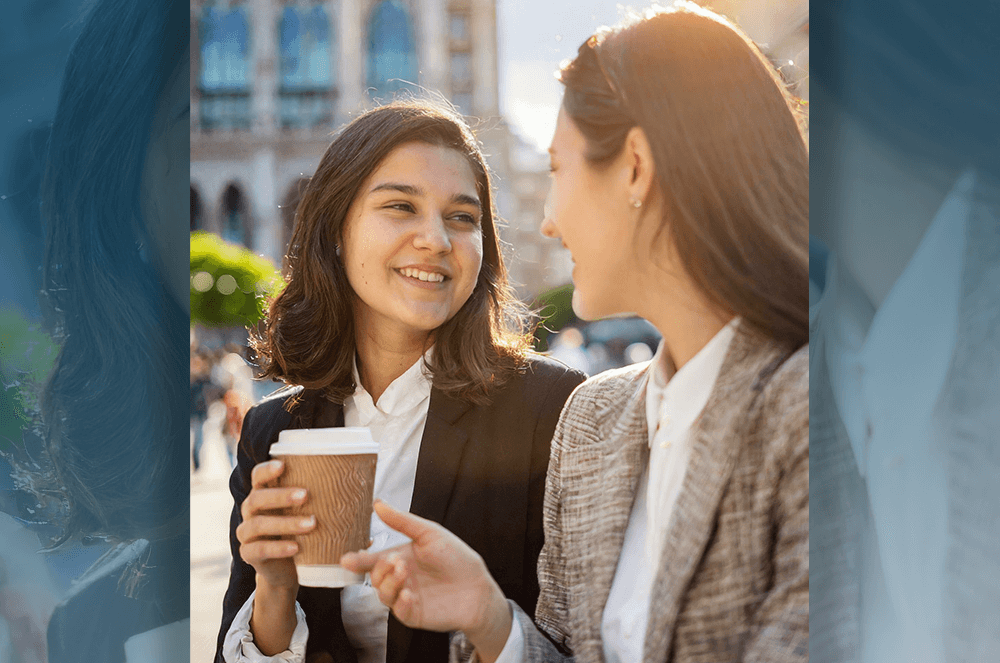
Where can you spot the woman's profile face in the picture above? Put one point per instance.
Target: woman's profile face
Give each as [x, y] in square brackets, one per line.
[412, 244]
[588, 209]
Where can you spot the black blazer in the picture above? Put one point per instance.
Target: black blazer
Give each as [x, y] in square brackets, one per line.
[480, 473]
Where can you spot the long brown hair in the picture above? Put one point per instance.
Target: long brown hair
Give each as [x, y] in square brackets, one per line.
[308, 338]
[730, 155]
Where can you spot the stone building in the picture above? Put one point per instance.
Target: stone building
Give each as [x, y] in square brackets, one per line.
[272, 79]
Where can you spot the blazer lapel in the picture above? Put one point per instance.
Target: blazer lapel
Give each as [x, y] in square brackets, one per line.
[441, 449]
[715, 447]
[624, 454]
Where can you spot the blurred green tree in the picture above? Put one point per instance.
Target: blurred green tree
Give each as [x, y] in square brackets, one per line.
[230, 285]
[555, 311]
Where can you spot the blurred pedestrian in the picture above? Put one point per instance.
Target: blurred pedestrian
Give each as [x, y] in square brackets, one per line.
[202, 392]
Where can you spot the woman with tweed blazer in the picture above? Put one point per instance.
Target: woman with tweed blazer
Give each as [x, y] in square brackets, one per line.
[676, 512]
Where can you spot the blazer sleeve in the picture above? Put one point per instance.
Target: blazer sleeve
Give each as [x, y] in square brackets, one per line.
[780, 628]
[549, 640]
[242, 577]
[545, 426]
[551, 611]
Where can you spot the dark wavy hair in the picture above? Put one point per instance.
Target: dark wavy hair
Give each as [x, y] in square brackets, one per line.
[308, 338]
[114, 408]
[729, 150]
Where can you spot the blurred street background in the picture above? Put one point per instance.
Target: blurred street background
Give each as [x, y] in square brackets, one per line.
[272, 79]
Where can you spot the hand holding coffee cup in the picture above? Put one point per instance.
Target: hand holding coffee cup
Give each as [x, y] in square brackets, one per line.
[337, 468]
[267, 541]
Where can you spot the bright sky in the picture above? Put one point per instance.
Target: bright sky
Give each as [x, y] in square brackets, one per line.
[535, 36]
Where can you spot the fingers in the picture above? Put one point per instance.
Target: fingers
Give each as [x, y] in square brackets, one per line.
[364, 561]
[262, 550]
[266, 527]
[268, 499]
[388, 578]
[264, 473]
[412, 526]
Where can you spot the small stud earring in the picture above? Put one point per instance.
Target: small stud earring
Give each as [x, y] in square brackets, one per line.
[636, 203]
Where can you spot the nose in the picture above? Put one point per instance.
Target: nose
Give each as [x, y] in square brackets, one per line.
[548, 227]
[432, 235]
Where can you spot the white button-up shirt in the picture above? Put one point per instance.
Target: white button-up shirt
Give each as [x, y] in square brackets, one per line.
[673, 403]
[397, 424]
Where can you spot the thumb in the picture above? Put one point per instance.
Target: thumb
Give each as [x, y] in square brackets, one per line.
[415, 527]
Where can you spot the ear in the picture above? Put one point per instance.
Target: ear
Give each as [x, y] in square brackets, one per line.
[641, 171]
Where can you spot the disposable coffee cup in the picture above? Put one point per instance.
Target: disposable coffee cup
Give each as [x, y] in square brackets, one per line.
[336, 466]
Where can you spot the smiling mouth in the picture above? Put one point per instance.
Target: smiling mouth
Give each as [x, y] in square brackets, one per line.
[419, 275]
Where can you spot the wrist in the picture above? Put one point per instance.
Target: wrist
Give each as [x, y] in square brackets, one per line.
[277, 596]
[489, 633]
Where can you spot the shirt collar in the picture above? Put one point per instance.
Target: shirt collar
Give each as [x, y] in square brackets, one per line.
[894, 359]
[406, 392]
[682, 395]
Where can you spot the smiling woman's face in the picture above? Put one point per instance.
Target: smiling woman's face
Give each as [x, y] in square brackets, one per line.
[412, 243]
[587, 210]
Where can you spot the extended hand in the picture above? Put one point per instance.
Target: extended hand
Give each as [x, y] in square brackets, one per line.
[436, 583]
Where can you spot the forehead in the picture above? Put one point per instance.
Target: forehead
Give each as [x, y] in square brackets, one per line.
[428, 167]
[566, 137]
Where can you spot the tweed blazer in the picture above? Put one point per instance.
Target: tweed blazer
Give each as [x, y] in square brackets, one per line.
[733, 580]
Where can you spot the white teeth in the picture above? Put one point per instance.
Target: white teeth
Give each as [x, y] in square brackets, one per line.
[431, 277]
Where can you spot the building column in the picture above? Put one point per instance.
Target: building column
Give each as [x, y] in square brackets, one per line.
[264, 68]
[431, 32]
[483, 24]
[265, 213]
[351, 33]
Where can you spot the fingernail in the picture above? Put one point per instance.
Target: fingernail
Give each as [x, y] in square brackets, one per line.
[307, 522]
[299, 495]
[291, 548]
[276, 464]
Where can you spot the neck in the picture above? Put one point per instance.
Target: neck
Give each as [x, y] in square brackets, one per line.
[384, 355]
[686, 322]
[669, 300]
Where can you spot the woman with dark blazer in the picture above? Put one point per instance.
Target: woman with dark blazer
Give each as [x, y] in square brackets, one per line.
[396, 316]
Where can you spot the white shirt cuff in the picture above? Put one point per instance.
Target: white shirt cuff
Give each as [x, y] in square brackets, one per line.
[513, 650]
[239, 647]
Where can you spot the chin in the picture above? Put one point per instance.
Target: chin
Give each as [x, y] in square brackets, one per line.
[581, 308]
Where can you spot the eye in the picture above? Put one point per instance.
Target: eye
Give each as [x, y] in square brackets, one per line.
[402, 207]
[465, 217]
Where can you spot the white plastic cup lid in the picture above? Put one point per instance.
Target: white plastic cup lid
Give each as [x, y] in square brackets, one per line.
[324, 441]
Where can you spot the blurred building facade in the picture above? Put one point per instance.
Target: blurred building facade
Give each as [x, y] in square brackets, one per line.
[273, 79]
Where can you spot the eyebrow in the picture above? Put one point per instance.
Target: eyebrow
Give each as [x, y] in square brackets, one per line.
[410, 190]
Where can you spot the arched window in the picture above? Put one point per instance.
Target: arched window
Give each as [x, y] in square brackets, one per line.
[196, 210]
[224, 79]
[307, 67]
[392, 56]
[235, 219]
